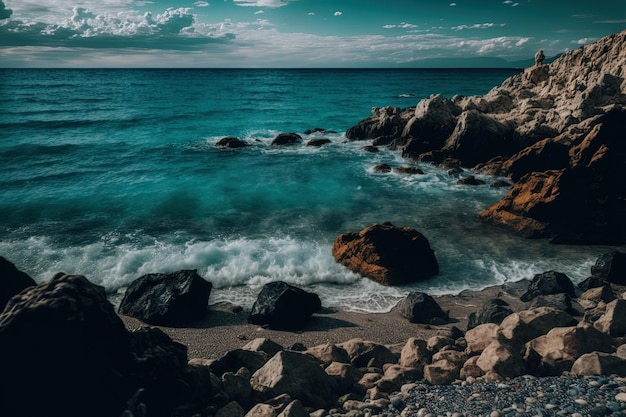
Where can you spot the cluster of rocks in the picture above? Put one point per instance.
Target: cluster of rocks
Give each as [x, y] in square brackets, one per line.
[282, 139]
[556, 130]
[92, 365]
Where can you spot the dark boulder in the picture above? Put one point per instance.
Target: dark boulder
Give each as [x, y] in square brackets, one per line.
[318, 142]
[387, 254]
[314, 130]
[167, 299]
[408, 170]
[231, 143]
[388, 122]
[560, 301]
[64, 352]
[419, 307]
[611, 267]
[235, 359]
[286, 139]
[12, 281]
[382, 168]
[371, 148]
[550, 282]
[470, 180]
[542, 156]
[283, 306]
[493, 311]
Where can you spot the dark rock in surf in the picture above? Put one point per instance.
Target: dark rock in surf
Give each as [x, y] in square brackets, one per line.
[286, 139]
[283, 306]
[470, 180]
[610, 267]
[550, 282]
[12, 281]
[318, 142]
[231, 142]
[382, 168]
[371, 148]
[408, 170]
[167, 299]
[387, 254]
[419, 307]
[314, 130]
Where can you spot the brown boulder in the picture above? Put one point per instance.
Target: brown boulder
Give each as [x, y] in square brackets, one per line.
[328, 353]
[613, 321]
[364, 353]
[345, 375]
[598, 363]
[526, 325]
[502, 360]
[415, 354]
[480, 337]
[387, 254]
[441, 372]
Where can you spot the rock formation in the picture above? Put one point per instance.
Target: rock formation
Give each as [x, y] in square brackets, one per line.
[283, 306]
[557, 130]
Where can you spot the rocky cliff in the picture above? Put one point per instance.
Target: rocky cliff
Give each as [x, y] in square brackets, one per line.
[557, 130]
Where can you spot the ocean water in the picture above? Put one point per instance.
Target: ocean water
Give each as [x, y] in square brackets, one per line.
[114, 174]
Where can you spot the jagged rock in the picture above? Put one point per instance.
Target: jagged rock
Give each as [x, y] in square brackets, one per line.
[596, 295]
[328, 353]
[318, 142]
[367, 382]
[526, 325]
[470, 369]
[613, 321]
[560, 347]
[262, 344]
[610, 267]
[236, 359]
[419, 307]
[387, 254]
[395, 376]
[232, 409]
[345, 375]
[454, 356]
[415, 354]
[286, 139]
[438, 342]
[441, 372]
[237, 386]
[598, 363]
[283, 306]
[297, 375]
[480, 337]
[434, 120]
[493, 311]
[560, 301]
[294, 409]
[470, 180]
[502, 360]
[544, 155]
[12, 281]
[550, 282]
[86, 347]
[385, 121]
[167, 299]
[364, 353]
[592, 282]
[231, 143]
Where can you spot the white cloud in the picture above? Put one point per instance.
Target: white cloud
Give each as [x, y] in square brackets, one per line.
[611, 22]
[403, 25]
[201, 4]
[478, 26]
[259, 12]
[262, 3]
[585, 41]
[338, 13]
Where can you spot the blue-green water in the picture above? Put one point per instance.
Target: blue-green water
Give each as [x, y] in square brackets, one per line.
[113, 174]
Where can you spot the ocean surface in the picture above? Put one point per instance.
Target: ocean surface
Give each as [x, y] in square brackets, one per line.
[113, 174]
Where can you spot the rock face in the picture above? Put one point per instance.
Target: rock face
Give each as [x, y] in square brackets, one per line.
[167, 299]
[283, 306]
[554, 129]
[387, 254]
[63, 341]
[12, 281]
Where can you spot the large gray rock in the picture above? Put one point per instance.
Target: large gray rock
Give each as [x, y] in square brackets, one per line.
[167, 299]
[298, 375]
[283, 306]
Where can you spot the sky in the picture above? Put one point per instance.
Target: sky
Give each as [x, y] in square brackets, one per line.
[297, 33]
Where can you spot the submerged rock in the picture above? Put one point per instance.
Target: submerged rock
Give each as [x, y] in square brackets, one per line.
[286, 139]
[231, 143]
[387, 254]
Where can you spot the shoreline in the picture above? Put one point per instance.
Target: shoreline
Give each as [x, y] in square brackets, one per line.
[223, 330]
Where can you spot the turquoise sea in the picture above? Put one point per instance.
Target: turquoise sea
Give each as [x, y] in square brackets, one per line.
[114, 174]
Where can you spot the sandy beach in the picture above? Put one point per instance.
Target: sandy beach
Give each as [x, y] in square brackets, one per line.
[223, 330]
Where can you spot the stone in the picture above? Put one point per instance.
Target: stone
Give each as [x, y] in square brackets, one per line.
[236, 359]
[549, 283]
[595, 295]
[65, 331]
[470, 369]
[318, 142]
[441, 372]
[382, 168]
[328, 353]
[501, 359]
[367, 382]
[262, 410]
[544, 155]
[526, 325]
[298, 375]
[232, 409]
[408, 170]
[167, 299]
[237, 386]
[470, 180]
[262, 344]
[415, 354]
[363, 353]
[613, 321]
[436, 343]
[560, 301]
[385, 122]
[345, 375]
[283, 306]
[419, 307]
[611, 267]
[493, 311]
[480, 337]
[454, 356]
[231, 143]
[395, 376]
[387, 254]
[599, 363]
[12, 281]
[294, 409]
[286, 139]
